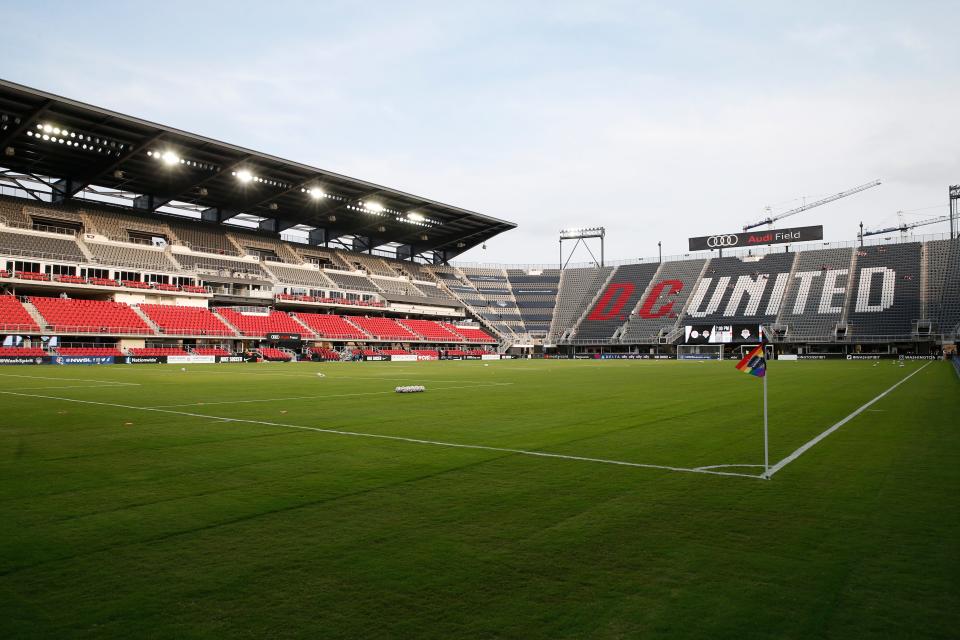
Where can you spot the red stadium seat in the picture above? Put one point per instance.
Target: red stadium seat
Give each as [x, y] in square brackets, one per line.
[384, 328]
[331, 326]
[260, 324]
[67, 315]
[14, 318]
[186, 320]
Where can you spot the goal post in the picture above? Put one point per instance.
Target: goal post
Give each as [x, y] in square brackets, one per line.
[699, 352]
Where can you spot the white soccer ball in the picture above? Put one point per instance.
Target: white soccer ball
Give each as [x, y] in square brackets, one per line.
[320, 375]
[183, 368]
[486, 365]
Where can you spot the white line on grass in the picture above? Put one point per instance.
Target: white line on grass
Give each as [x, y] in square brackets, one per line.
[315, 397]
[122, 384]
[69, 386]
[359, 434]
[807, 446]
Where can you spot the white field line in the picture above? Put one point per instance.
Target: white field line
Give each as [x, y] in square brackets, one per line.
[358, 434]
[724, 466]
[321, 397]
[329, 375]
[122, 384]
[71, 386]
[808, 445]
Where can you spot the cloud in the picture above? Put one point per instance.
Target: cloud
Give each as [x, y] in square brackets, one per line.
[657, 123]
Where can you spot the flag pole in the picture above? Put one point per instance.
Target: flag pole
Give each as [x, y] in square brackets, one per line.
[766, 438]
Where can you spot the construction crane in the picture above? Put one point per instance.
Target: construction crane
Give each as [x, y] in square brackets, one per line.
[903, 227]
[811, 205]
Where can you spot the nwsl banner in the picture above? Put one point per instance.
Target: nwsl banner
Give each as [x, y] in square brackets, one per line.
[756, 238]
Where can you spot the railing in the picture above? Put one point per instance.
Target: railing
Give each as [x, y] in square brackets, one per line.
[211, 250]
[12, 327]
[76, 258]
[44, 228]
[96, 330]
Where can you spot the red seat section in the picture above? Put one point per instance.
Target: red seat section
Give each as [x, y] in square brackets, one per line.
[211, 351]
[152, 352]
[325, 354]
[470, 334]
[33, 352]
[269, 353]
[89, 316]
[384, 328]
[14, 318]
[430, 330]
[260, 324]
[89, 351]
[186, 320]
[331, 326]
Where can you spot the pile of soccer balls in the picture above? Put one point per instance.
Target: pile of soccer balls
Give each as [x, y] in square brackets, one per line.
[416, 388]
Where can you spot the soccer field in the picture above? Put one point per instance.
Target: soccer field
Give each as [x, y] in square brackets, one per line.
[267, 501]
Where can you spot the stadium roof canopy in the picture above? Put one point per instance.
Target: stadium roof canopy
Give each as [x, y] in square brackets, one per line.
[75, 149]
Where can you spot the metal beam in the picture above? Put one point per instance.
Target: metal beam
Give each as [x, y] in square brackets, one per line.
[25, 122]
[77, 184]
[185, 186]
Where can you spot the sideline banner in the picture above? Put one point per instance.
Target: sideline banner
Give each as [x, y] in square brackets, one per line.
[403, 358]
[191, 359]
[20, 360]
[82, 360]
[145, 359]
[635, 356]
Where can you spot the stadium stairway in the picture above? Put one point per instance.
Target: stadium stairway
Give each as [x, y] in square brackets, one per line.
[851, 279]
[571, 333]
[229, 324]
[150, 323]
[32, 310]
[619, 333]
[84, 249]
[354, 325]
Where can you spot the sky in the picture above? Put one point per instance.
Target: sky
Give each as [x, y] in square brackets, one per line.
[658, 121]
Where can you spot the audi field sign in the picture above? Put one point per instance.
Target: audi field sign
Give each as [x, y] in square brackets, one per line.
[756, 238]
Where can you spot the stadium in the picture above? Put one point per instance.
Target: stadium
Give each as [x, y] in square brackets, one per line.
[204, 436]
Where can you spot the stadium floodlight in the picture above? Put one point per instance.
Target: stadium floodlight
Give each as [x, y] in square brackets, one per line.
[243, 176]
[316, 193]
[170, 158]
[416, 217]
[575, 233]
[375, 207]
[581, 234]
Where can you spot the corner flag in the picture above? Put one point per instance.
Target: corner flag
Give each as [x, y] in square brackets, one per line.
[754, 363]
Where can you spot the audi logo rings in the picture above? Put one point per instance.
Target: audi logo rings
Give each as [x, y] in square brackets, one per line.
[718, 242]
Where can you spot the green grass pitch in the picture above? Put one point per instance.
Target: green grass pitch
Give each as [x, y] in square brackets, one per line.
[217, 518]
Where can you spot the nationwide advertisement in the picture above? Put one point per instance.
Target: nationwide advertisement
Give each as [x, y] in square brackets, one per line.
[756, 238]
[144, 359]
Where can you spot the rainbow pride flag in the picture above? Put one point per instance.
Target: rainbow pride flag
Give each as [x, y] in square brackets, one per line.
[754, 363]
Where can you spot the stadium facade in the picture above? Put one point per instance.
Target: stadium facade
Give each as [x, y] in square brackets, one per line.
[121, 238]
